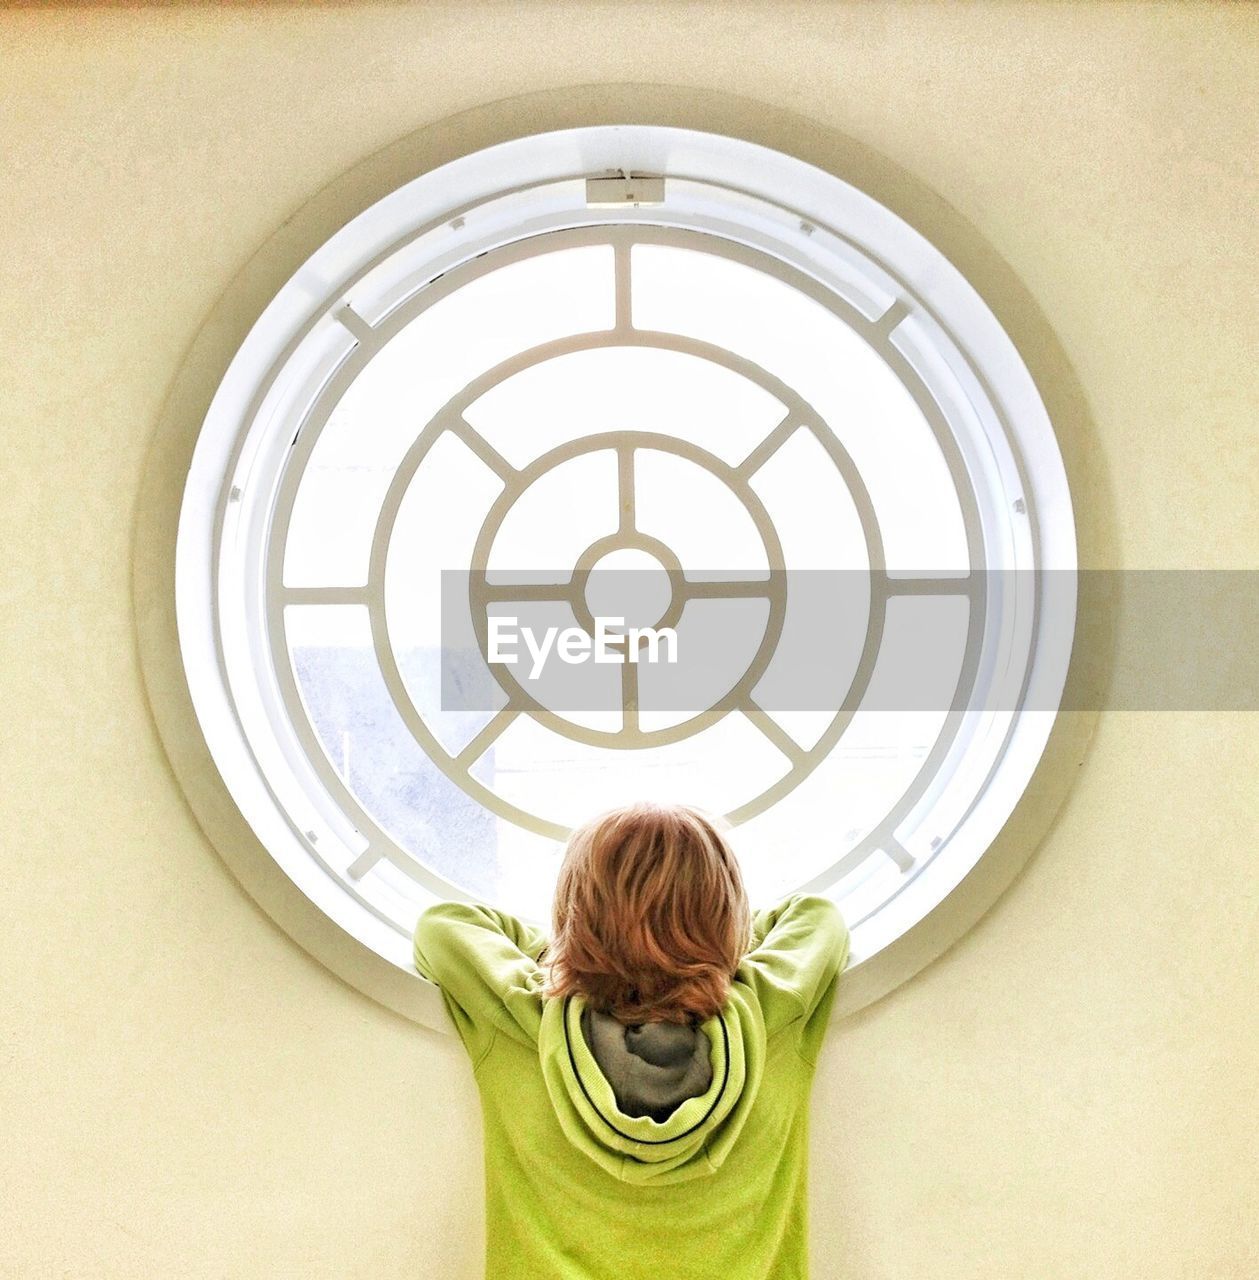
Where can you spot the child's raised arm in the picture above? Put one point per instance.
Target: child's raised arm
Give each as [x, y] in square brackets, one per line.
[799, 948]
[486, 964]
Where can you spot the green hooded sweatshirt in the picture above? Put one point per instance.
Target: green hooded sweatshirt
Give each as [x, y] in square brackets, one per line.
[583, 1180]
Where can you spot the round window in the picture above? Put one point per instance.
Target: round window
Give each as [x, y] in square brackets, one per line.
[655, 376]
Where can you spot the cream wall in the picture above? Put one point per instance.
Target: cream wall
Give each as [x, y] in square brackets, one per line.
[1068, 1094]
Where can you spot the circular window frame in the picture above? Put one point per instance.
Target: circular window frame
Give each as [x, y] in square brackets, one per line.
[940, 294]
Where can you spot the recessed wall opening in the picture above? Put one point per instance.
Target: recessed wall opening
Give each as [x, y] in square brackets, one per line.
[747, 371]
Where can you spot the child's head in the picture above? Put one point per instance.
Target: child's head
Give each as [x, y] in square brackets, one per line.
[651, 918]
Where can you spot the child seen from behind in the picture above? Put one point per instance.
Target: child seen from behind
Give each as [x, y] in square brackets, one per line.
[645, 1071]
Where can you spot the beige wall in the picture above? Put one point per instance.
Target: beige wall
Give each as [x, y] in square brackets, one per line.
[1068, 1094]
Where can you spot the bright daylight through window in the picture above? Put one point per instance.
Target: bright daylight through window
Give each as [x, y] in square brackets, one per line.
[715, 393]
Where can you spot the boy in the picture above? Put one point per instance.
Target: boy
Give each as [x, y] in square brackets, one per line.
[644, 1075]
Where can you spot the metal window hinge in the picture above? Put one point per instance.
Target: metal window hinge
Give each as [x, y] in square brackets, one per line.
[629, 188]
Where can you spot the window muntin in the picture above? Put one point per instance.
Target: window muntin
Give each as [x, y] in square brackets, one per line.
[358, 479]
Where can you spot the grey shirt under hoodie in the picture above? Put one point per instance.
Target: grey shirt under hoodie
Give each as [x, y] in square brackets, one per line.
[653, 1067]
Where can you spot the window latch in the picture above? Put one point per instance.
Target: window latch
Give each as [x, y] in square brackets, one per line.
[629, 188]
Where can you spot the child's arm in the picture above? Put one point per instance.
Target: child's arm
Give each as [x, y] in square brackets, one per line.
[799, 948]
[486, 964]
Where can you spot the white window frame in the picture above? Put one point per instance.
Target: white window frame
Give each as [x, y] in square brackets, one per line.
[755, 196]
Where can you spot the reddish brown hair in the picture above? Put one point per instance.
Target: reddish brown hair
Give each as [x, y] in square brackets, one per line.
[651, 917]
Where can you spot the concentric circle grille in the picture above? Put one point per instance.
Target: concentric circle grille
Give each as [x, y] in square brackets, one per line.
[487, 419]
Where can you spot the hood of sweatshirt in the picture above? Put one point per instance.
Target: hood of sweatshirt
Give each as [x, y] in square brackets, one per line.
[657, 1103]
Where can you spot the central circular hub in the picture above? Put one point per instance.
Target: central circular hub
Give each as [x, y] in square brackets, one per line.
[631, 584]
